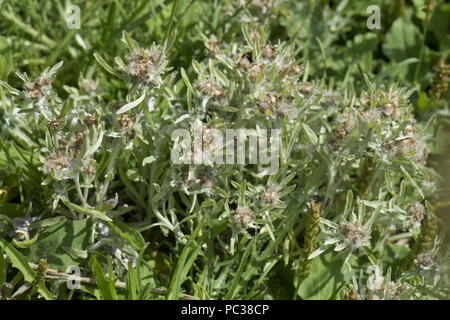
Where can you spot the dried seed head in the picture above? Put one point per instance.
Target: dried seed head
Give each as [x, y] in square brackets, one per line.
[211, 89]
[389, 109]
[306, 88]
[425, 261]
[87, 167]
[416, 210]
[269, 195]
[127, 123]
[429, 7]
[146, 65]
[34, 90]
[268, 103]
[268, 51]
[54, 123]
[440, 80]
[62, 143]
[90, 120]
[411, 148]
[243, 217]
[255, 69]
[75, 143]
[371, 115]
[340, 132]
[206, 180]
[354, 234]
[330, 99]
[409, 130]
[348, 121]
[286, 109]
[212, 47]
[243, 63]
[209, 141]
[56, 163]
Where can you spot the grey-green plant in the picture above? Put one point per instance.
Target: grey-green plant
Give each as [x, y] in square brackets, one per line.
[348, 214]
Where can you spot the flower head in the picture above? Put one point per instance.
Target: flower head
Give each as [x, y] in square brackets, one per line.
[242, 217]
[146, 66]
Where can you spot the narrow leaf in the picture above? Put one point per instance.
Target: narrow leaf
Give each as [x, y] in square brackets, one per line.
[131, 105]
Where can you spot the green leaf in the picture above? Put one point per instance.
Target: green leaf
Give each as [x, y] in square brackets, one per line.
[6, 61]
[107, 67]
[2, 268]
[182, 267]
[25, 243]
[107, 291]
[96, 145]
[54, 241]
[90, 212]
[186, 80]
[9, 88]
[362, 43]
[310, 133]
[439, 24]
[324, 280]
[348, 204]
[64, 109]
[132, 45]
[48, 222]
[132, 104]
[403, 40]
[131, 282]
[247, 36]
[18, 260]
[395, 68]
[133, 236]
[20, 263]
[392, 254]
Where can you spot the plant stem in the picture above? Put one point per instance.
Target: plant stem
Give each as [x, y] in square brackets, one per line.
[80, 195]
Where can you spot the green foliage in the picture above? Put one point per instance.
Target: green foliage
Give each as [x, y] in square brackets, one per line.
[87, 176]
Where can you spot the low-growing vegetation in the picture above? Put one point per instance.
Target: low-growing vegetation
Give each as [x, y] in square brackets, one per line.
[99, 199]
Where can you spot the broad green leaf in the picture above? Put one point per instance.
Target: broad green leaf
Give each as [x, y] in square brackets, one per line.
[325, 277]
[392, 254]
[133, 236]
[54, 241]
[402, 40]
[20, 263]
